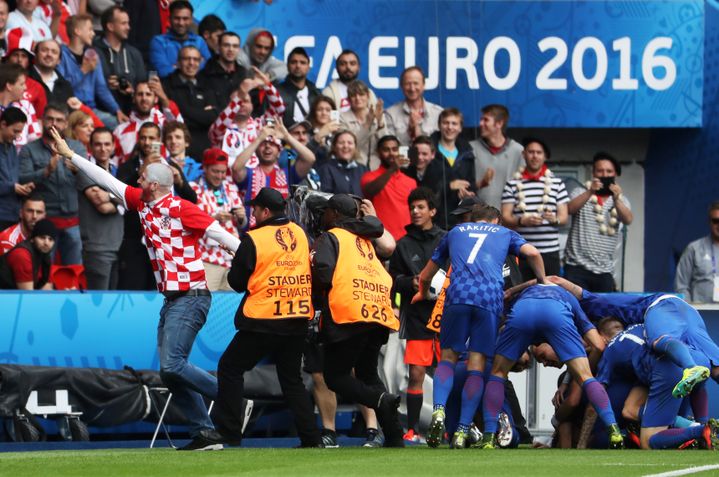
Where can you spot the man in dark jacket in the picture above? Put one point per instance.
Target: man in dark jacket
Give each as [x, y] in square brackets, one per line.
[296, 90]
[356, 311]
[222, 74]
[11, 190]
[272, 318]
[196, 101]
[135, 269]
[122, 63]
[27, 266]
[413, 251]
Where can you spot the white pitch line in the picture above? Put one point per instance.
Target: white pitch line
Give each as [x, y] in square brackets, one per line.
[687, 471]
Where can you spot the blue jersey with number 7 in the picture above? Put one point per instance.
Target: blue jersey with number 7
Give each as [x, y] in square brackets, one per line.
[477, 251]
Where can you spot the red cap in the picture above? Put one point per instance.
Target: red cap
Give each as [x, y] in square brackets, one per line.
[213, 156]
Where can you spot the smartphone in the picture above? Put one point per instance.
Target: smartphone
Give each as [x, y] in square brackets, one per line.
[270, 121]
[152, 74]
[606, 182]
[335, 115]
[90, 54]
[156, 148]
[404, 152]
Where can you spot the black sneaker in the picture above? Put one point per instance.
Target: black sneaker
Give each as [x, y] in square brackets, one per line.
[374, 438]
[329, 439]
[388, 417]
[207, 439]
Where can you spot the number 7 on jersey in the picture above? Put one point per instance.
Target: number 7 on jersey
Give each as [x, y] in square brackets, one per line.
[477, 245]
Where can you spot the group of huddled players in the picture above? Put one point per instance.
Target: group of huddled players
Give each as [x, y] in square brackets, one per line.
[637, 362]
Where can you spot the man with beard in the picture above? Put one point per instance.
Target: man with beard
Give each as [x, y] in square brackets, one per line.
[297, 91]
[348, 67]
[149, 104]
[33, 209]
[257, 53]
[44, 71]
[27, 265]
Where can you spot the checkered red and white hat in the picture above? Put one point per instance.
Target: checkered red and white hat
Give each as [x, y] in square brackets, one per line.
[18, 39]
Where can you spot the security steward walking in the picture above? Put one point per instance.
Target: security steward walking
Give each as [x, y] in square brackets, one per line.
[272, 266]
[356, 311]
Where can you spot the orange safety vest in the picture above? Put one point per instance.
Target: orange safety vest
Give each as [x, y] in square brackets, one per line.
[436, 318]
[361, 286]
[281, 285]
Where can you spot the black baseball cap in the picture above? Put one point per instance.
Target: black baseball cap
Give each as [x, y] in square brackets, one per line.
[344, 204]
[465, 205]
[269, 198]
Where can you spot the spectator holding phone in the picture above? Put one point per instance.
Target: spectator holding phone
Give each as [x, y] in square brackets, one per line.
[598, 213]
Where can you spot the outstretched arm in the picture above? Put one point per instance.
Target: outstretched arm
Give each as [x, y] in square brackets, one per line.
[97, 174]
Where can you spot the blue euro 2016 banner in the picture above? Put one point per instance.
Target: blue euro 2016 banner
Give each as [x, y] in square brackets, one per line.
[553, 63]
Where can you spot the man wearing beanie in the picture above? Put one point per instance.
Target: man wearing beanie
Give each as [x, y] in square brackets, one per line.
[27, 265]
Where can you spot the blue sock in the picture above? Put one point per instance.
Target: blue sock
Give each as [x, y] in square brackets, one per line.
[673, 438]
[471, 397]
[597, 395]
[682, 422]
[492, 403]
[443, 381]
[677, 351]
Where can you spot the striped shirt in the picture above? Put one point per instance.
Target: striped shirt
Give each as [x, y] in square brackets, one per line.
[545, 237]
[586, 247]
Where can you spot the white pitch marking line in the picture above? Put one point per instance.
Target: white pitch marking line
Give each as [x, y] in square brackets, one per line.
[687, 471]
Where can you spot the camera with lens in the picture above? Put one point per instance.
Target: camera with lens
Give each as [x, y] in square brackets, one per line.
[123, 82]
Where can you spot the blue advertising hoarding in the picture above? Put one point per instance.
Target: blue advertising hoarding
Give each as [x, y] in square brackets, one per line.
[554, 64]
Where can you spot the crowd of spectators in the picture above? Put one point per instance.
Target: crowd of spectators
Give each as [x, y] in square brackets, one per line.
[139, 82]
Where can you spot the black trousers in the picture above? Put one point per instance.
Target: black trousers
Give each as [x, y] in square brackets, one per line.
[361, 353]
[551, 266]
[245, 350]
[593, 282]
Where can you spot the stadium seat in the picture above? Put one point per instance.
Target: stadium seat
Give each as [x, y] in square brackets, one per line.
[68, 277]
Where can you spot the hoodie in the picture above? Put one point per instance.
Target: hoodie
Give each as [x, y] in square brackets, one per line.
[274, 68]
[126, 63]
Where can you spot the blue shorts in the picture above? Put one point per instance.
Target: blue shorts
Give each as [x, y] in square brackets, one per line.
[468, 328]
[678, 319]
[662, 408]
[539, 320]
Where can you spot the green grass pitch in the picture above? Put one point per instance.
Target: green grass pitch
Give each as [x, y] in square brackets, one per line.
[347, 462]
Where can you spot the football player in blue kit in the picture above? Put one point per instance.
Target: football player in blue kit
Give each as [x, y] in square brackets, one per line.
[473, 305]
[547, 313]
[628, 359]
[670, 324]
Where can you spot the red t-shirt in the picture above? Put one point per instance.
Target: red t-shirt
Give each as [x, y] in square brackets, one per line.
[391, 202]
[20, 262]
[10, 237]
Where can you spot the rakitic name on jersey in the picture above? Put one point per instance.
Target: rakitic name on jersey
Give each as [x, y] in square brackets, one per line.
[478, 228]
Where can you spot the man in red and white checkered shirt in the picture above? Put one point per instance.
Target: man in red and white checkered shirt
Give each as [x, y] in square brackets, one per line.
[173, 228]
[235, 128]
[32, 210]
[218, 196]
[147, 106]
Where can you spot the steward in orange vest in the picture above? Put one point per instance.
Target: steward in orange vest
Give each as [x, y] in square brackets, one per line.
[357, 312]
[272, 268]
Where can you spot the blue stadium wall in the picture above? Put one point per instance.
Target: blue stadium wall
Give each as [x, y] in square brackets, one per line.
[682, 172]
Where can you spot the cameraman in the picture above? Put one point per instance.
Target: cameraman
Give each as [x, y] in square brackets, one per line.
[598, 214]
[122, 63]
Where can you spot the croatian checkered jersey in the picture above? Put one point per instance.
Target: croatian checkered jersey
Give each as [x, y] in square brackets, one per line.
[32, 129]
[227, 199]
[225, 134]
[173, 228]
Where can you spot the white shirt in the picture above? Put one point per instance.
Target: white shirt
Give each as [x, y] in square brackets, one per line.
[37, 27]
